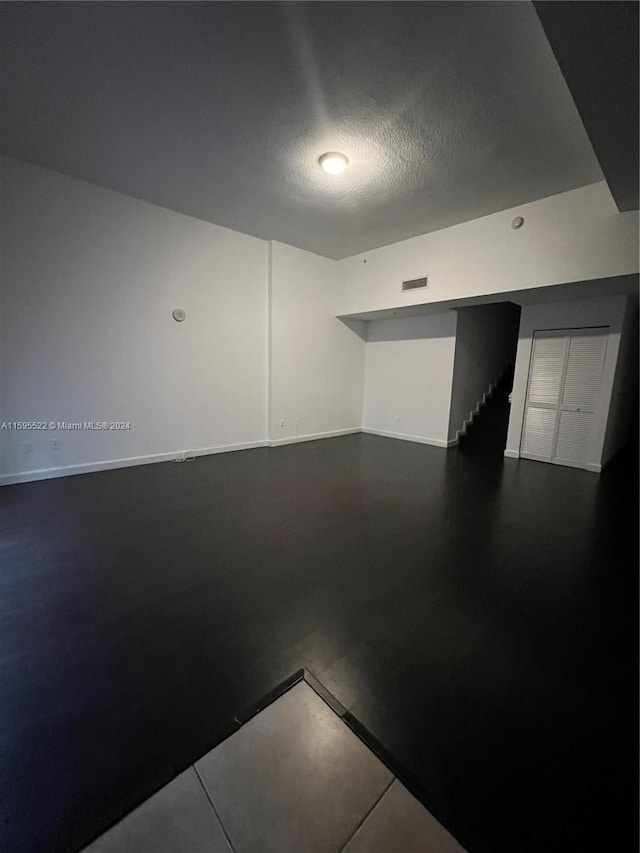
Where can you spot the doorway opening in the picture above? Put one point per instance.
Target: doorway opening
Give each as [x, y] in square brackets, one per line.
[485, 354]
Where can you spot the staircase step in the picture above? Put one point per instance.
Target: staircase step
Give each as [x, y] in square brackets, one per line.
[488, 432]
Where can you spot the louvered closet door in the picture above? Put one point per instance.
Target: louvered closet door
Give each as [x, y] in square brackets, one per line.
[546, 374]
[564, 385]
[581, 388]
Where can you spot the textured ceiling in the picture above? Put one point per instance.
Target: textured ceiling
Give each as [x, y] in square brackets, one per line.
[447, 111]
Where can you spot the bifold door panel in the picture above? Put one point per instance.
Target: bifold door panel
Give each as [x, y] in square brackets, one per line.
[539, 431]
[562, 394]
[574, 437]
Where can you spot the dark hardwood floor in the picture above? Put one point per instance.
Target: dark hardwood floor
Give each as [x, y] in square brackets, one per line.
[477, 615]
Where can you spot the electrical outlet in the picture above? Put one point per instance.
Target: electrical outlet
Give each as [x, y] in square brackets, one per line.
[282, 423]
[297, 426]
[55, 444]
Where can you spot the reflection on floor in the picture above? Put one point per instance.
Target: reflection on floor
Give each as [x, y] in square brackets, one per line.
[294, 778]
[478, 616]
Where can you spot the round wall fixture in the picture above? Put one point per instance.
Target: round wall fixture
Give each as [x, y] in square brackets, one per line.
[178, 314]
[518, 222]
[333, 162]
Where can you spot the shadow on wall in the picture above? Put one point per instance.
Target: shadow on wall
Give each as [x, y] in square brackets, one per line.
[358, 327]
[416, 328]
[486, 344]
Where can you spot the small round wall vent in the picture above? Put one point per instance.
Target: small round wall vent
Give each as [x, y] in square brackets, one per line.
[518, 222]
[178, 314]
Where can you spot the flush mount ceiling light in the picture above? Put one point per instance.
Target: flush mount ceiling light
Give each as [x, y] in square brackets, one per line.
[333, 163]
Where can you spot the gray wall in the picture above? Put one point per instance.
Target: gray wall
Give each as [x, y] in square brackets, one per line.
[623, 409]
[486, 339]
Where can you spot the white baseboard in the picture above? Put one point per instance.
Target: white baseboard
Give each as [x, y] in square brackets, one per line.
[594, 467]
[297, 439]
[132, 461]
[419, 439]
[128, 462]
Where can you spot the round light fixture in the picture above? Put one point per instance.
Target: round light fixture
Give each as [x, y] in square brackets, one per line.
[333, 163]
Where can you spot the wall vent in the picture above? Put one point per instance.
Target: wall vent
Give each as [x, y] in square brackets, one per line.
[414, 283]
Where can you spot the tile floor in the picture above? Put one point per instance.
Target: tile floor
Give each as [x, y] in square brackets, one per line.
[294, 778]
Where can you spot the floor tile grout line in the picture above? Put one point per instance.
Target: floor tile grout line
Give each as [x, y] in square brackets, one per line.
[215, 810]
[367, 816]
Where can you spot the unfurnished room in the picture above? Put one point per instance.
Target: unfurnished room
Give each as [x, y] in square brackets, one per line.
[319, 427]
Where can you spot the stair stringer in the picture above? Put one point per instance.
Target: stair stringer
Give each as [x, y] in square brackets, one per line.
[473, 414]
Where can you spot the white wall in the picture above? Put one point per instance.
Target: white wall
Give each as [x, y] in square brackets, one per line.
[317, 362]
[579, 313]
[408, 375]
[486, 339]
[574, 236]
[623, 411]
[89, 280]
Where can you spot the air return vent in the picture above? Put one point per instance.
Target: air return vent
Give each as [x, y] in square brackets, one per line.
[414, 283]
